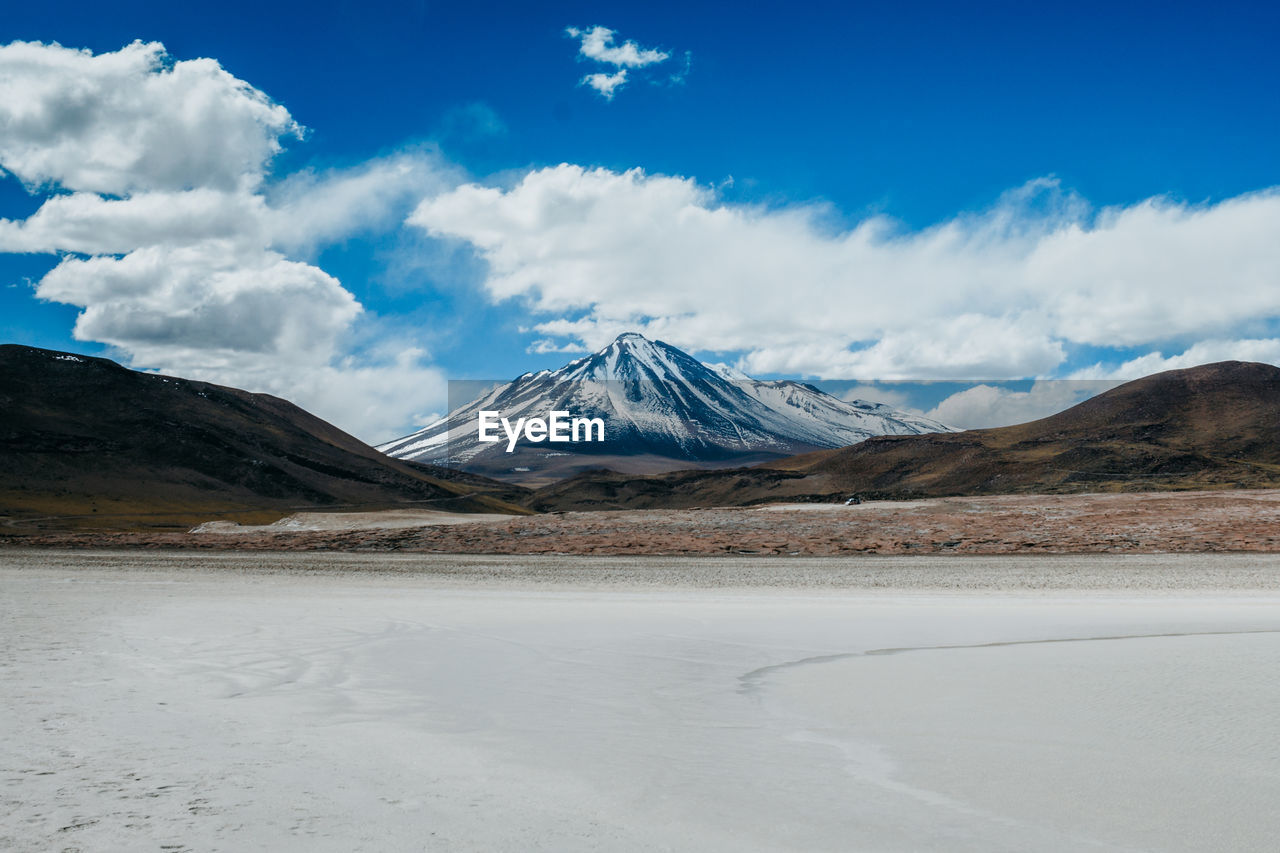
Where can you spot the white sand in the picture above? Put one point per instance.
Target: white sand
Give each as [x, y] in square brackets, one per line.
[380, 520]
[198, 703]
[841, 506]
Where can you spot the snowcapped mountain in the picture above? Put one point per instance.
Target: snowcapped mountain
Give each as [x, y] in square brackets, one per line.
[662, 410]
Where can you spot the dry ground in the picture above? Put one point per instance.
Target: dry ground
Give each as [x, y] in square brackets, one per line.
[1246, 520]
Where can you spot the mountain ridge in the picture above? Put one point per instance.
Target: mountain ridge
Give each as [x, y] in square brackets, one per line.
[1210, 426]
[85, 442]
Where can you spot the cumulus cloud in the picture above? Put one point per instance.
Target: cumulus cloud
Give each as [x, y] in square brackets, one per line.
[606, 84]
[179, 251]
[597, 44]
[202, 299]
[1265, 350]
[356, 394]
[300, 212]
[88, 223]
[132, 120]
[546, 345]
[874, 393]
[993, 406]
[310, 208]
[1003, 293]
[960, 347]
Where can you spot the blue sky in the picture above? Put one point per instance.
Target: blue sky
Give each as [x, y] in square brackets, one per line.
[946, 190]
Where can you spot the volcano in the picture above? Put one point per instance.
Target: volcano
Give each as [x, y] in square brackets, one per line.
[663, 410]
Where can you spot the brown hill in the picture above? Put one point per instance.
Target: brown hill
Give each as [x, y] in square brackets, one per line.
[1213, 426]
[85, 442]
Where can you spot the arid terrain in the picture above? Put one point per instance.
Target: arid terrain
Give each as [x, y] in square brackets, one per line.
[1153, 522]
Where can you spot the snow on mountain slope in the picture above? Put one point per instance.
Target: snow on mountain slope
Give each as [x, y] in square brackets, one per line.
[659, 402]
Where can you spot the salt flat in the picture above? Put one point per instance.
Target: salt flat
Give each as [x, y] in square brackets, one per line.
[377, 520]
[411, 702]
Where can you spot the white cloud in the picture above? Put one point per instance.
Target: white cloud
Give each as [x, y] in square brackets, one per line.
[1266, 350]
[309, 208]
[965, 346]
[91, 224]
[374, 397]
[132, 121]
[214, 296]
[606, 84]
[597, 44]
[874, 393]
[183, 257]
[302, 211]
[1003, 293]
[993, 406]
[546, 345]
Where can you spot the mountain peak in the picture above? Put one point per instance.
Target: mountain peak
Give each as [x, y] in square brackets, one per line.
[634, 341]
[663, 409]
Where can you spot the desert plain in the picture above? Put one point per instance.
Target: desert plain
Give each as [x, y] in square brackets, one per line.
[1193, 521]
